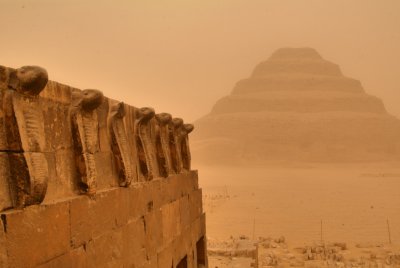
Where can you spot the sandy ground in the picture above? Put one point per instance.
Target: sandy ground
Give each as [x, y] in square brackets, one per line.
[354, 202]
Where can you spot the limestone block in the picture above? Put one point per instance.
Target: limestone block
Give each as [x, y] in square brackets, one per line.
[140, 200]
[91, 217]
[156, 192]
[134, 251]
[145, 197]
[152, 262]
[196, 205]
[106, 175]
[57, 125]
[74, 258]
[57, 92]
[154, 235]
[165, 257]
[139, 259]
[170, 221]
[184, 211]
[3, 249]
[55, 192]
[190, 252]
[186, 183]
[5, 198]
[38, 233]
[190, 181]
[180, 255]
[77, 257]
[63, 183]
[182, 246]
[196, 230]
[203, 224]
[166, 191]
[3, 135]
[201, 251]
[173, 190]
[106, 250]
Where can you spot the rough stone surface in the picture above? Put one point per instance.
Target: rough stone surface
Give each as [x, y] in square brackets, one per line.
[92, 216]
[3, 249]
[5, 200]
[86, 181]
[37, 234]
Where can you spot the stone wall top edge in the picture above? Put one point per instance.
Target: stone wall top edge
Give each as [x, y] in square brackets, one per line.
[81, 141]
[54, 90]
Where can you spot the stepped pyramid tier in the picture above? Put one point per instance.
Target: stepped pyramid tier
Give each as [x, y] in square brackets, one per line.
[297, 106]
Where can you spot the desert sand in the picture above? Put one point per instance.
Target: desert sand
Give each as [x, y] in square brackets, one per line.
[354, 202]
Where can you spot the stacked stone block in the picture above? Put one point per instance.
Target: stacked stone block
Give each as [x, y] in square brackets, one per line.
[102, 203]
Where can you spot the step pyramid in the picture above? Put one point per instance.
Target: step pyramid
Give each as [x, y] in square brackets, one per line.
[297, 106]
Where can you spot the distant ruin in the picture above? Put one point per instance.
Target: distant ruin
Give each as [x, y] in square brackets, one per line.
[87, 181]
[296, 106]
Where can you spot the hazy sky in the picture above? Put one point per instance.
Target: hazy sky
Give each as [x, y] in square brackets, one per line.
[180, 56]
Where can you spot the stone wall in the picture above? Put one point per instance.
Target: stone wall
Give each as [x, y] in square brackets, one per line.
[87, 181]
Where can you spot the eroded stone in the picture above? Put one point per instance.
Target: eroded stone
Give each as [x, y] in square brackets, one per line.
[85, 135]
[120, 145]
[145, 148]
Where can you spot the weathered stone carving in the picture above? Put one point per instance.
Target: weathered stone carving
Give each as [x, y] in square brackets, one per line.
[25, 135]
[4, 77]
[185, 148]
[120, 145]
[28, 80]
[175, 144]
[5, 199]
[162, 144]
[179, 144]
[145, 147]
[85, 134]
[5, 179]
[33, 154]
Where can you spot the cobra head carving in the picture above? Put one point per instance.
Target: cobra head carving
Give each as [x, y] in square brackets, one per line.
[118, 110]
[188, 128]
[145, 114]
[91, 99]
[163, 118]
[28, 80]
[177, 122]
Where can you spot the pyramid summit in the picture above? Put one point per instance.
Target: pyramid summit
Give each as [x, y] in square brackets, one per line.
[296, 60]
[297, 106]
[295, 53]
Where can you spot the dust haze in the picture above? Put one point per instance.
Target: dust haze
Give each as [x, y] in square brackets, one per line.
[310, 151]
[168, 53]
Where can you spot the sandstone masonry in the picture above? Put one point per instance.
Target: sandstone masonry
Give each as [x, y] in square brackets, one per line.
[87, 181]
